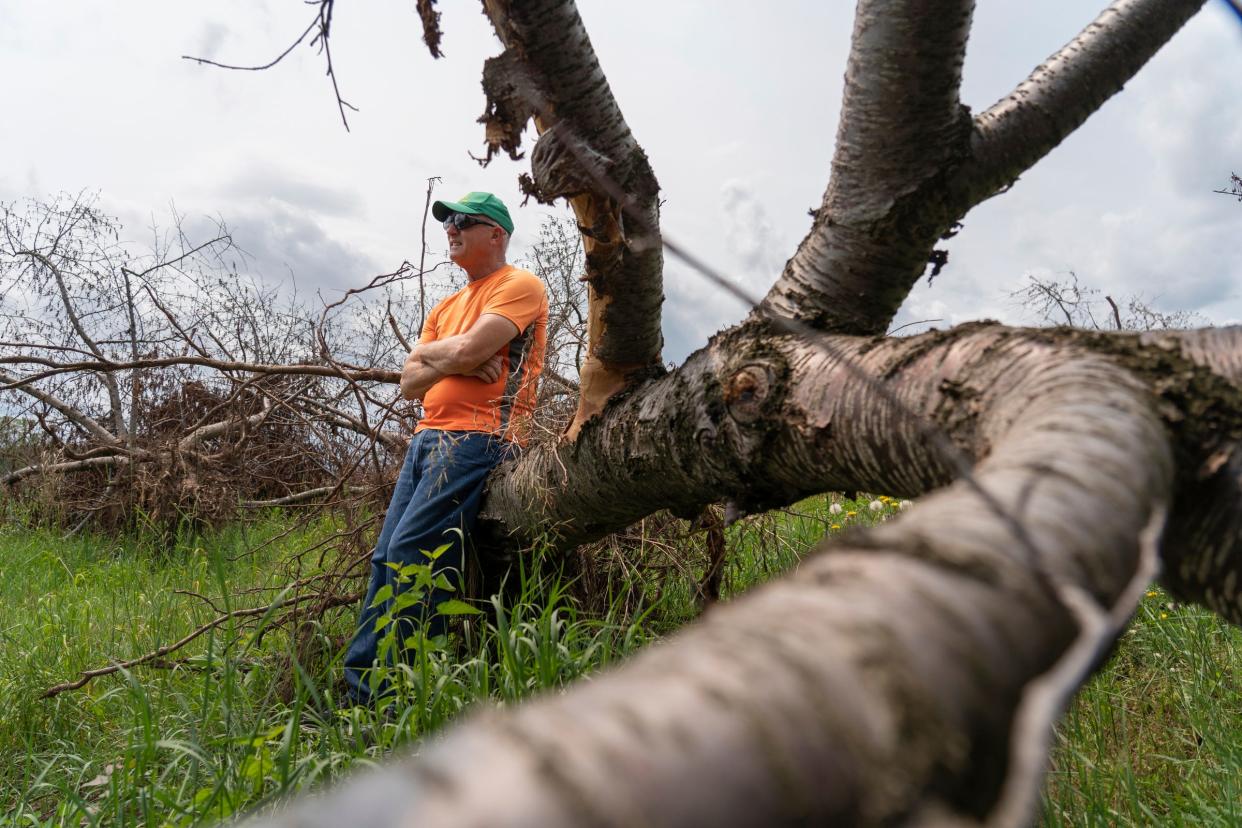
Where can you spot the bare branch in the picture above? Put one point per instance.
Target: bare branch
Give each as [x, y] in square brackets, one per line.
[206, 62]
[323, 21]
[901, 126]
[64, 468]
[106, 365]
[114, 393]
[85, 422]
[1116, 312]
[207, 432]
[1063, 92]
[160, 652]
[293, 499]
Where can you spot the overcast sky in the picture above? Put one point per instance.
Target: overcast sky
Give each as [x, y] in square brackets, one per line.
[736, 104]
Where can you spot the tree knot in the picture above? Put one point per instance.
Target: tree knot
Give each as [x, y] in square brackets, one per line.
[746, 392]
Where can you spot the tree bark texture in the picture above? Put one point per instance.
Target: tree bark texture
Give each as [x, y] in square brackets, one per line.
[549, 72]
[881, 682]
[764, 420]
[910, 162]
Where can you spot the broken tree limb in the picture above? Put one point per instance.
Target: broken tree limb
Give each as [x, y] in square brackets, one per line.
[549, 72]
[812, 700]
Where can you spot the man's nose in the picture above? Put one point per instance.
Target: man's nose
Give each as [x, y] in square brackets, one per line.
[452, 230]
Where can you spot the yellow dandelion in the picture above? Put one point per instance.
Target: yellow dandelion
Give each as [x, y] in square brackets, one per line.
[1152, 593]
[834, 526]
[851, 514]
[1164, 615]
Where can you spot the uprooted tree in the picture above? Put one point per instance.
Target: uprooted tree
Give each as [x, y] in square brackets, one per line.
[910, 673]
[157, 382]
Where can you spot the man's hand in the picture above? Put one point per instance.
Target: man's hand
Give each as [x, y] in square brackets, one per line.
[417, 377]
[489, 371]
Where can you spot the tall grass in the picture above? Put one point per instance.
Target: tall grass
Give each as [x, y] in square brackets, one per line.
[237, 721]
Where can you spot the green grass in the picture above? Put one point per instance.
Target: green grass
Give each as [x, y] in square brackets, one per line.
[1154, 738]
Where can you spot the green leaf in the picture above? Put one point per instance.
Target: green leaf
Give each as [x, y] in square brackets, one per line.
[381, 595]
[455, 607]
[407, 599]
[439, 550]
[410, 569]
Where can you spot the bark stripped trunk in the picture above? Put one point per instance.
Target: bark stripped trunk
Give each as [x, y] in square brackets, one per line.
[549, 72]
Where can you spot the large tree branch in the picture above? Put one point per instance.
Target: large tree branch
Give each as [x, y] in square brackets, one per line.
[901, 124]
[549, 71]
[105, 365]
[811, 700]
[765, 420]
[900, 185]
[1063, 91]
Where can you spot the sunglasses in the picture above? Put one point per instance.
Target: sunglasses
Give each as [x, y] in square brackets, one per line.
[461, 221]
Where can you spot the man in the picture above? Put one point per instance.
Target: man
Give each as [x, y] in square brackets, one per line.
[475, 368]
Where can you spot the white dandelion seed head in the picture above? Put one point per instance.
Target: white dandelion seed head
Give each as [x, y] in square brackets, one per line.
[834, 509]
[875, 505]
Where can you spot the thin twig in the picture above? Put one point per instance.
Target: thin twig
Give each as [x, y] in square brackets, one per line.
[87, 675]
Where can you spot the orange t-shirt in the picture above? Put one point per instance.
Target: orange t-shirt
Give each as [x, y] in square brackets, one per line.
[461, 403]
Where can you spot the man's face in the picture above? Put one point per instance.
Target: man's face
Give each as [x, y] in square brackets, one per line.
[470, 238]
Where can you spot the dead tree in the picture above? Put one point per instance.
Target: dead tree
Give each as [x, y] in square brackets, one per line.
[912, 673]
[1066, 301]
[162, 380]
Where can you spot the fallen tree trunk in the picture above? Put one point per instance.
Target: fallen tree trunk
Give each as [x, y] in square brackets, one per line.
[898, 674]
[763, 420]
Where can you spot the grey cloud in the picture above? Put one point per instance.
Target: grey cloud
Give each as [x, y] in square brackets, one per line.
[755, 254]
[263, 181]
[1190, 117]
[289, 247]
[752, 240]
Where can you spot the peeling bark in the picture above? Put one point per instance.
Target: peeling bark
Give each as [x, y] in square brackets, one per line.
[549, 72]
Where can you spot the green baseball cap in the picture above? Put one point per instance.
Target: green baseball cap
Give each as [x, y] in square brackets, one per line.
[475, 204]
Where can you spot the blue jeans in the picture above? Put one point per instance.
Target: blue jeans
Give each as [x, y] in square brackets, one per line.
[435, 502]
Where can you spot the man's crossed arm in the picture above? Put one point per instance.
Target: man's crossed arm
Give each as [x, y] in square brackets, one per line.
[473, 354]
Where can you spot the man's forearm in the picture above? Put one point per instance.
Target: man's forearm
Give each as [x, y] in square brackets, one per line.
[417, 377]
[445, 355]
